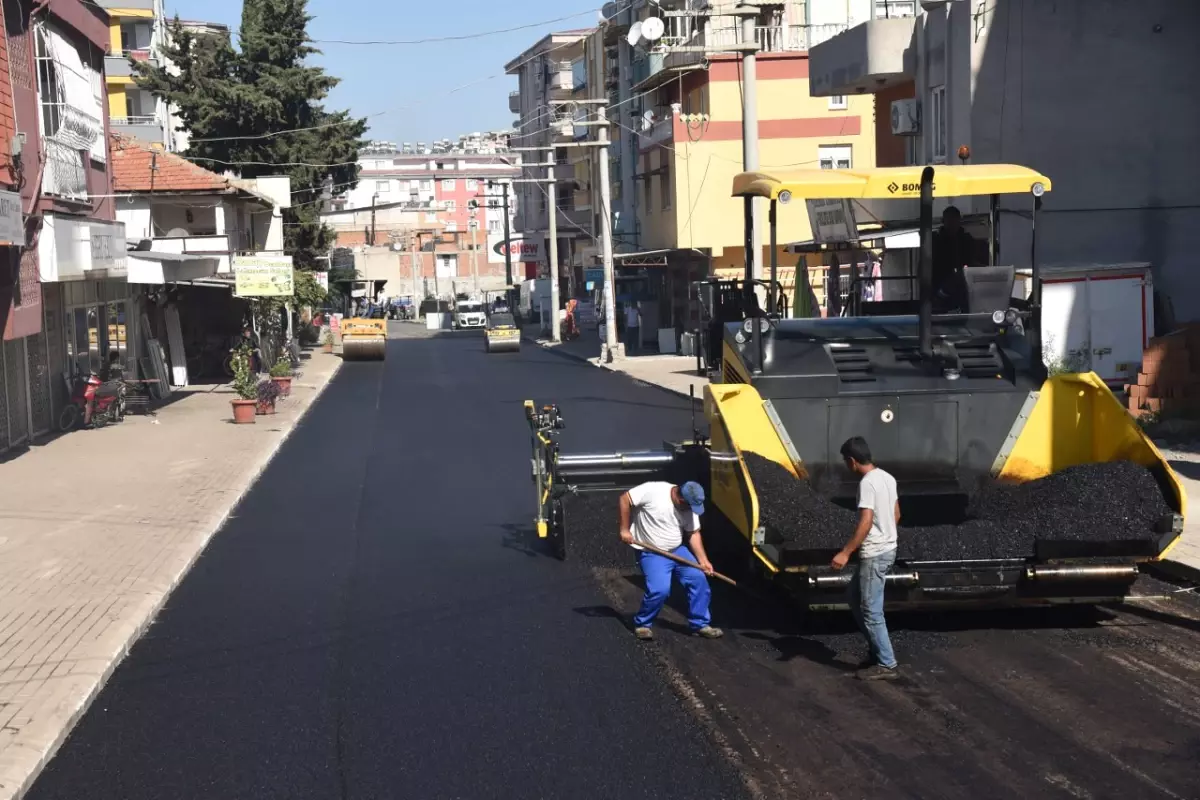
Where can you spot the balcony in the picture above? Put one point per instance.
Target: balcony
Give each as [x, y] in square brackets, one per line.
[514, 102]
[721, 34]
[146, 128]
[65, 175]
[574, 220]
[560, 81]
[219, 246]
[111, 5]
[116, 65]
[865, 59]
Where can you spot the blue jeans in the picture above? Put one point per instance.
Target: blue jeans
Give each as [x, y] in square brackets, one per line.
[658, 571]
[633, 340]
[866, 604]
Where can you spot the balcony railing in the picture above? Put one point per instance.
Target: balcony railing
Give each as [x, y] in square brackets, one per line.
[146, 119]
[514, 102]
[65, 175]
[725, 34]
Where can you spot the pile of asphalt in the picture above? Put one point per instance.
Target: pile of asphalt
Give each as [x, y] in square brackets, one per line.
[1117, 501]
[593, 538]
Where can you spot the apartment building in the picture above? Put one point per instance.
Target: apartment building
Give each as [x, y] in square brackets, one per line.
[66, 252]
[136, 29]
[1099, 96]
[678, 141]
[556, 79]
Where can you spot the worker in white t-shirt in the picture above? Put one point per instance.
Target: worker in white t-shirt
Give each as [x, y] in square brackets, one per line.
[633, 328]
[658, 514]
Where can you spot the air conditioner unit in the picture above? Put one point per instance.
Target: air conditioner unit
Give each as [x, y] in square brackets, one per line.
[906, 117]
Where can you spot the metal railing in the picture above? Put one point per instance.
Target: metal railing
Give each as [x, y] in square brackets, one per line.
[147, 119]
[65, 174]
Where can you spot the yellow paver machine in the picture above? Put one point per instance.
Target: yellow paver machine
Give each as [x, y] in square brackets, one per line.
[956, 403]
[364, 339]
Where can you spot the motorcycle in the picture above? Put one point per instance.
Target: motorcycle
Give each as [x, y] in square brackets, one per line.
[94, 403]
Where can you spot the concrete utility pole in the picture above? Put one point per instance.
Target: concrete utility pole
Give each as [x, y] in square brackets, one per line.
[750, 140]
[609, 349]
[508, 281]
[474, 226]
[552, 193]
[418, 290]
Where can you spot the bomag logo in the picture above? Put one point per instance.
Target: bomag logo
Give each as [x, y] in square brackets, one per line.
[906, 188]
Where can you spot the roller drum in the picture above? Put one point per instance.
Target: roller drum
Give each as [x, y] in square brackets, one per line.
[364, 349]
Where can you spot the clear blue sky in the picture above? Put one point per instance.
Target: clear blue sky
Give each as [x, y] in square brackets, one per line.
[413, 82]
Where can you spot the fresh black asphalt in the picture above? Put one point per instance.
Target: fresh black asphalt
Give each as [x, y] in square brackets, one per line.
[376, 621]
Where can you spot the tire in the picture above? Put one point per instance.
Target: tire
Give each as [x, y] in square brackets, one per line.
[68, 418]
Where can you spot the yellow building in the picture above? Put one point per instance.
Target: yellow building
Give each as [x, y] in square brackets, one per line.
[135, 30]
[690, 147]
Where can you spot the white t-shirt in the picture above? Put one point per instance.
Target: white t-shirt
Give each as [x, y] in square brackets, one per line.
[657, 521]
[633, 316]
[877, 491]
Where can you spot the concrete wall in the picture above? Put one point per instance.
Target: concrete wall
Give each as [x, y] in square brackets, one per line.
[1101, 96]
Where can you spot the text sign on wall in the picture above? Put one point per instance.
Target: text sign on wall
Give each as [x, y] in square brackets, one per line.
[263, 276]
[832, 221]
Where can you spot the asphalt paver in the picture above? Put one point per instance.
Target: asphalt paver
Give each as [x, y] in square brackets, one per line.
[377, 619]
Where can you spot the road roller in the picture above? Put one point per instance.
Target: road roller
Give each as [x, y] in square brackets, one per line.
[953, 401]
[502, 334]
[364, 339]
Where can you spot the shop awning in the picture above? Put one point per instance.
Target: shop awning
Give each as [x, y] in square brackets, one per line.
[148, 266]
[653, 258]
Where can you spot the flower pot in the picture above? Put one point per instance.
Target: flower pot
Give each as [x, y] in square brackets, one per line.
[263, 407]
[243, 411]
[285, 385]
[327, 348]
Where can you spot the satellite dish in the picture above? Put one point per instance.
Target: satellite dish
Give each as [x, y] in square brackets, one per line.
[653, 29]
[635, 34]
[608, 12]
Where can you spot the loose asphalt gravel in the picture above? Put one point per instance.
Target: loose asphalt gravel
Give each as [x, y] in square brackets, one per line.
[378, 621]
[1119, 501]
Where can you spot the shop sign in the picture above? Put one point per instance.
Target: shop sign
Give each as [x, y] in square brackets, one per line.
[263, 276]
[594, 275]
[525, 250]
[12, 225]
[832, 221]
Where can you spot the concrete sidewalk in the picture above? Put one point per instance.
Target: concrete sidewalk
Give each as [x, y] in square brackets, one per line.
[678, 373]
[96, 528]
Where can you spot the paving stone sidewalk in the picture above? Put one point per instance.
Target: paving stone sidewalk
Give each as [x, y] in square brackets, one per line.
[678, 373]
[96, 528]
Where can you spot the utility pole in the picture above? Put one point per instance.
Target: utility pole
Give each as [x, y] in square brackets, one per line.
[750, 142]
[374, 197]
[508, 276]
[473, 224]
[418, 291]
[606, 254]
[555, 334]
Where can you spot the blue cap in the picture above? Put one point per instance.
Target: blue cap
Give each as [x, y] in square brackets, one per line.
[693, 495]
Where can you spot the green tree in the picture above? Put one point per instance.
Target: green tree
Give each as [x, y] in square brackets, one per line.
[236, 102]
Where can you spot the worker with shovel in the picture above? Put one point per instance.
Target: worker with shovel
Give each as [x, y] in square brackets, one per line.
[661, 513]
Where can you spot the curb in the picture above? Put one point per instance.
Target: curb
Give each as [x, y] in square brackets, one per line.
[550, 347]
[156, 603]
[1173, 571]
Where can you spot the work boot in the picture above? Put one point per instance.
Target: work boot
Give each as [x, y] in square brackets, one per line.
[878, 672]
[643, 633]
[709, 632]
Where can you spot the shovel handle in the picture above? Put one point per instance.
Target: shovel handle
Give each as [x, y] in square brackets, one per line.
[684, 561]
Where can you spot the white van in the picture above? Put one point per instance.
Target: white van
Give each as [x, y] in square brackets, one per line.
[469, 314]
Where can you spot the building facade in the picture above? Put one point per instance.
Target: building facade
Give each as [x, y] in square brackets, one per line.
[136, 32]
[1066, 88]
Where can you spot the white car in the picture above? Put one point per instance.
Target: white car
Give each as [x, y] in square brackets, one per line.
[469, 315]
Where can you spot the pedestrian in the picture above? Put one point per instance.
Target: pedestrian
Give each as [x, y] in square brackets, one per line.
[661, 513]
[875, 541]
[633, 328]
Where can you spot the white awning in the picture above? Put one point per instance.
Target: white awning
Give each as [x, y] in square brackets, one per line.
[147, 266]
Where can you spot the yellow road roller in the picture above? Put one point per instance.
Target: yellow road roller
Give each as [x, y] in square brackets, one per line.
[364, 339]
[955, 401]
[502, 334]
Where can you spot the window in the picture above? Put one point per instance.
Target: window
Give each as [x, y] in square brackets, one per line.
[472, 185]
[426, 186]
[448, 185]
[451, 227]
[837, 102]
[835, 156]
[578, 75]
[664, 183]
[383, 186]
[494, 226]
[430, 216]
[886, 9]
[937, 106]
[451, 205]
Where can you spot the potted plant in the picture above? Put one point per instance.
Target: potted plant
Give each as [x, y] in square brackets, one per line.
[281, 374]
[244, 386]
[327, 342]
[266, 394]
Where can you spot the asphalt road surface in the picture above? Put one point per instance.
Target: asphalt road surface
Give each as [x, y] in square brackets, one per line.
[377, 621]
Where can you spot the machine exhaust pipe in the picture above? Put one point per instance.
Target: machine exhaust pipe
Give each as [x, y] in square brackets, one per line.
[925, 266]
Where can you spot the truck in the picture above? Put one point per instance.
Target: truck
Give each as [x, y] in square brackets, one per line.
[534, 294]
